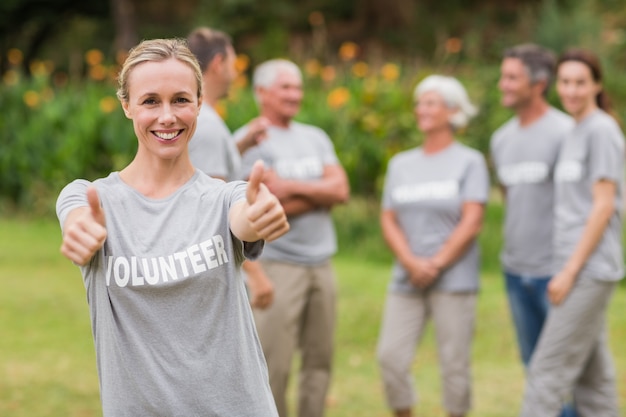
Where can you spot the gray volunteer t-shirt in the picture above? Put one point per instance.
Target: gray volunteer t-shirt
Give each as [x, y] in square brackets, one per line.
[524, 159]
[299, 152]
[593, 151]
[427, 193]
[172, 325]
[212, 148]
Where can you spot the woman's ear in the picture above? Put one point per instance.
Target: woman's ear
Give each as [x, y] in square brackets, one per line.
[126, 109]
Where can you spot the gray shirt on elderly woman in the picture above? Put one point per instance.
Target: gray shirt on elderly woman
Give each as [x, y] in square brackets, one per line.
[427, 193]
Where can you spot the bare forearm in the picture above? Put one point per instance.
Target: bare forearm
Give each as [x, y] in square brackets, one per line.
[296, 205]
[395, 238]
[456, 245]
[594, 229]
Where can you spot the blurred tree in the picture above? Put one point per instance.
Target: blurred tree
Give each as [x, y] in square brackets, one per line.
[125, 24]
[31, 23]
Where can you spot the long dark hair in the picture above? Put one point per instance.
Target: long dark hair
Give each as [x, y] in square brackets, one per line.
[593, 63]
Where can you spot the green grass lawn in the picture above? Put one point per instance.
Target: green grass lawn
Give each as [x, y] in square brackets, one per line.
[47, 361]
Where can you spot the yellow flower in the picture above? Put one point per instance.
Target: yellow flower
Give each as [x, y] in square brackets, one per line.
[312, 67]
[15, 56]
[328, 73]
[371, 122]
[338, 97]
[390, 72]
[11, 77]
[94, 57]
[108, 104]
[120, 57]
[97, 72]
[360, 69]
[220, 109]
[39, 68]
[454, 45]
[31, 98]
[241, 81]
[348, 51]
[242, 63]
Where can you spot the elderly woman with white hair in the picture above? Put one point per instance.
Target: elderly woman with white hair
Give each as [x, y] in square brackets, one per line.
[432, 212]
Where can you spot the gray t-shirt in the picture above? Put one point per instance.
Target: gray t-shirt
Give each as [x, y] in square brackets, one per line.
[593, 151]
[427, 192]
[172, 325]
[212, 148]
[524, 159]
[301, 153]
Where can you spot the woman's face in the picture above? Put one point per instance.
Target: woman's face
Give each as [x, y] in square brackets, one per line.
[576, 88]
[163, 105]
[431, 112]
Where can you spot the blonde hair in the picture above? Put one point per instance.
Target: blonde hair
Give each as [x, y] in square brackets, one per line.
[157, 50]
[454, 95]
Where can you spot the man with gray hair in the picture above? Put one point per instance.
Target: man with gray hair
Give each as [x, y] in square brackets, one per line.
[304, 172]
[524, 153]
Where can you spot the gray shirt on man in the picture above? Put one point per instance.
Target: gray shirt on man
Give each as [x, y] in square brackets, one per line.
[524, 159]
[427, 193]
[171, 321]
[212, 148]
[300, 152]
[593, 151]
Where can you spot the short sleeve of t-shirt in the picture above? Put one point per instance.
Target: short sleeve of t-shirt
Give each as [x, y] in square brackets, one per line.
[72, 196]
[475, 185]
[327, 150]
[386, 198]
[605, 155]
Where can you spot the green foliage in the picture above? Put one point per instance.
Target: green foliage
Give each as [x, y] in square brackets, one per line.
[51, 136]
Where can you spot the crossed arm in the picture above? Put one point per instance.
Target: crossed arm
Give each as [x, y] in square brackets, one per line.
[298, 197]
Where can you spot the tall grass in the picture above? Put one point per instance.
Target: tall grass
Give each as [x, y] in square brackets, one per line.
[47, 361]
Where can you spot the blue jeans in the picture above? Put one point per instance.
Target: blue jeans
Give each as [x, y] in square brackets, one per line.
[529, 304]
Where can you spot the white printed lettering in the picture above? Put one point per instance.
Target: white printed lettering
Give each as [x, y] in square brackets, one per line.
[137, 279]
[151, 277]
[434, 190]
[168, 268]
[180, 257]
[569, 171]
[121, 271]
[194, 260]
[523, 173]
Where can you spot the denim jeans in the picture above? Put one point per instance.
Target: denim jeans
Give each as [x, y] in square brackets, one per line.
[529, 304]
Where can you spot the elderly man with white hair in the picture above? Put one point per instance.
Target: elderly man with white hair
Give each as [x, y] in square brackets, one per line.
[432, 211]
[305, 174]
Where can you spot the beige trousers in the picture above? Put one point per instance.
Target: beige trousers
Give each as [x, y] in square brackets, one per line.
[404, 320]
[301, 317]
[572, 355]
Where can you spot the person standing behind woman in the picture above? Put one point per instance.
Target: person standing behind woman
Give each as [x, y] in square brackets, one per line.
[212, 148]
[572, 354]
[432, 212]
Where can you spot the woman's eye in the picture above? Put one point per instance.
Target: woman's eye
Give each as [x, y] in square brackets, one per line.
[181, 100]
[149, 101]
